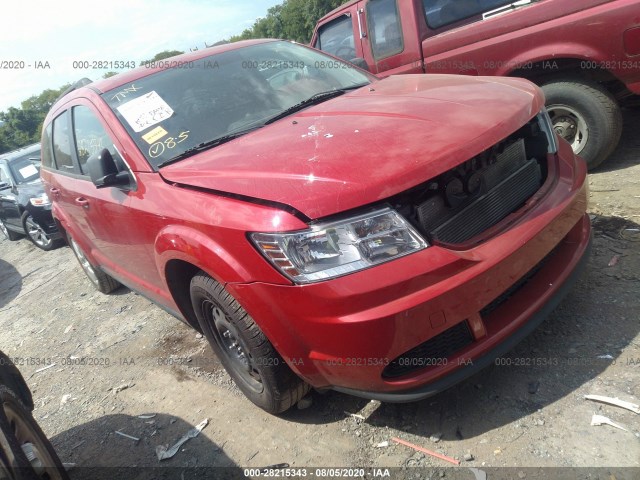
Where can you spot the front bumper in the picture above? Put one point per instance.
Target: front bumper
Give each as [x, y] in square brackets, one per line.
[470, 368]
[43, 217]
[344, 333]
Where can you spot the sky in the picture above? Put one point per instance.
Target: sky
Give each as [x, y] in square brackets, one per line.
[50, 36]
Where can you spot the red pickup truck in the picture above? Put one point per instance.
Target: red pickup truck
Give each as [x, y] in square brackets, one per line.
[584, 54]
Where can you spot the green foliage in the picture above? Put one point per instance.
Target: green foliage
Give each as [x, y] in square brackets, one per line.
[23, 126]
[109, 74]
[292, 20]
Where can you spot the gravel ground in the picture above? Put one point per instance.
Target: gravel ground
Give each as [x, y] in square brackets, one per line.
[118, 357]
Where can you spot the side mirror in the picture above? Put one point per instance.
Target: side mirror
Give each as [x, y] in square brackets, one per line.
[104, 172]
[360, 62]
[4, 185]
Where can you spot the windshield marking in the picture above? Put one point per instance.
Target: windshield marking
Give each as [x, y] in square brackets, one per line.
[145, 111]
[124, 93]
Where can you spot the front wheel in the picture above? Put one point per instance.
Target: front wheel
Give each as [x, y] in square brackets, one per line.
[25, 451]
[586, 116]
[37, 235]
[103, 282]
[244, 350]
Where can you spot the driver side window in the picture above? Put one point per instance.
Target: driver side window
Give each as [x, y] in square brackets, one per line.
[336, 38]
[90, 137]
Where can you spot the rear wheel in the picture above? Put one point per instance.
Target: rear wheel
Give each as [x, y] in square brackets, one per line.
[244, 350]
[9, 234]
[103, 282]
[586, 116]
[25, 451]
[37, 235]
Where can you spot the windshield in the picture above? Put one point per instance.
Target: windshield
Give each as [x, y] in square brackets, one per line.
[201, 101]
[26, 169]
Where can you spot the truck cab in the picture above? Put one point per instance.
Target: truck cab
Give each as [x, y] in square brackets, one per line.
[585, 55]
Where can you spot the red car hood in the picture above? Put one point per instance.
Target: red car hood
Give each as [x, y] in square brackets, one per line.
[367, 145]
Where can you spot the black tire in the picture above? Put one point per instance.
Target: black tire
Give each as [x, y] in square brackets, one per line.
[580, 101]
[37, 235]
[244, 350]
[9, 234]
[104, 283]
[20, 432]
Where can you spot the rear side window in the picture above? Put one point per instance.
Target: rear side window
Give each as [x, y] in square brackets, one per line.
[445, 12]
[384, 28]
[336, 38]
[90, 135]
[46, 154]
[61, 144]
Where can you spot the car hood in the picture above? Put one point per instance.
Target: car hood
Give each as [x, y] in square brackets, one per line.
[366, 145]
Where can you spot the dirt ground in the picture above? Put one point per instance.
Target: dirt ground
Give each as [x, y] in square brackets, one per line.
[515, 415]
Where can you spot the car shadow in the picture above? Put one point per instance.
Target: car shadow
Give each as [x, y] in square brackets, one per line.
[10, 283]
[99, 453]
[627, 153]
[567, 351]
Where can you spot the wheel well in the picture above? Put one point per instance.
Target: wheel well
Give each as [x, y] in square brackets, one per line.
[179, 274]
[544, 71]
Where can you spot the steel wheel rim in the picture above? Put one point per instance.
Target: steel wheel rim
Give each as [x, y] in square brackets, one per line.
[232, 346]
[5, 232]
[84, 263]
[570, 125]
[37, 234]
[43, 463]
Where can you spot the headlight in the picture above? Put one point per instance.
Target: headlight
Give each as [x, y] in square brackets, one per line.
[547, 127]
[41, 200]
[334, 249]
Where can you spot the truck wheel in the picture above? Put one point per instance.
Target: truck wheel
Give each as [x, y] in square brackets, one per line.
[103, 282]
[586, 116]
[9, 234]
[25, 451]
[244, 350]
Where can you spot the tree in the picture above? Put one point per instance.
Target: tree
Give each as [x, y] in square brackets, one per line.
[292, 20]
[23, 126]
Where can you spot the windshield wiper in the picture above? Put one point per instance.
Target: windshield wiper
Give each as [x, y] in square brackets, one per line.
[313, 100]
[208, 145]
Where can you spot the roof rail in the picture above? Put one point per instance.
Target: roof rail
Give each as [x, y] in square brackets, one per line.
[80, 83]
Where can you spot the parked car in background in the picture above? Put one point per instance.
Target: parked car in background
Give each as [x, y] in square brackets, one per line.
[25, 208]
[584, 54]
[322, 227]
[25, 451]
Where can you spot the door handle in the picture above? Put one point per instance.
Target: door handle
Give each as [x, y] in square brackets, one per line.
[363, 33]
[54, 192]
[83, 202]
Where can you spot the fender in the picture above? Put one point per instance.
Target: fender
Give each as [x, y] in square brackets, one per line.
[550, 52]
[179, 242]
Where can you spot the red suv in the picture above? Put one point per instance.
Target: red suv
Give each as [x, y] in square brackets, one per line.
[322, 227]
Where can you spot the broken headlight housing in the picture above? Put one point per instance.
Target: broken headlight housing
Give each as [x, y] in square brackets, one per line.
[332, 249]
